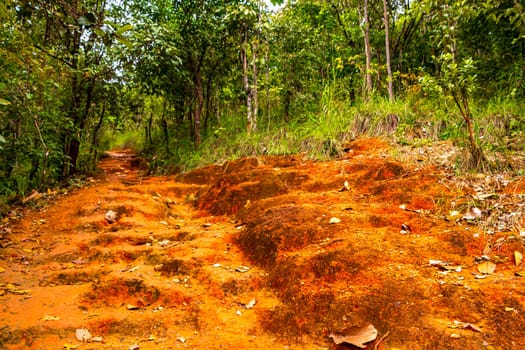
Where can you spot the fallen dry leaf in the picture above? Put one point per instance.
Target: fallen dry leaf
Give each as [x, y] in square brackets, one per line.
[83, 335]
[335, 220]
[465, 325]
[355, 336]
[34, 196]
[517, 258]
[250, 304]
[405, 229]
[50, 318]
[487, 267]
[19, 291]
[110, 216]
[445, 265]
[242, 269]
[346, 187]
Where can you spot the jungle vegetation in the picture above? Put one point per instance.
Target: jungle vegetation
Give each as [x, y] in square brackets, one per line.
[190, 82]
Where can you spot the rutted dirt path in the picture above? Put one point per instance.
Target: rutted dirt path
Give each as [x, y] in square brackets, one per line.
[271, 252]
[162, 276]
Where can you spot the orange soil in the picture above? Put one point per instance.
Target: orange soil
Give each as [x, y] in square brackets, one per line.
[247, 255]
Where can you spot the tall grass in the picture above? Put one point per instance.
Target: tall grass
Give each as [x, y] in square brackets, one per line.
[321, 134]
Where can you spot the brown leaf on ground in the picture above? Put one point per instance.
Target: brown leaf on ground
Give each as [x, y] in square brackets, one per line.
[357, 336]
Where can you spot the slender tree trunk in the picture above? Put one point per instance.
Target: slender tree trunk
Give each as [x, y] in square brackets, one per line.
[387, 50]
[245, 80]
[254, 88]
[255, 92]
[198, 93]
[368, 53]
[208, 103]
[478, 157]
[165, 128]
[149, 136]
[267, 83]
[94, 142]
[43, 177]
[287, 102]
[198, 108]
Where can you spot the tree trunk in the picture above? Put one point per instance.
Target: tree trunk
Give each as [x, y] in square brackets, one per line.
[149, 136]
[267, 83]
[197, 80]
[479, 160]
[387, 50]
[165, 129]
[71, 140]
[245, 81]
[368, 54]
[94, 143]
[255, 92]
[208, 102]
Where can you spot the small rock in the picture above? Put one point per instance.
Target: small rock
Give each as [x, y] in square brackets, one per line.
[134, 347]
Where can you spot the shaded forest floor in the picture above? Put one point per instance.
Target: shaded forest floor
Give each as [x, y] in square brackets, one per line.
[273, 253]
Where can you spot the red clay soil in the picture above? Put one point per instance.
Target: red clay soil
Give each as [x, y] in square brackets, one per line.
[269, 253]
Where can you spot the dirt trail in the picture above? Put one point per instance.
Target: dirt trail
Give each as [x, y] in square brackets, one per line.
[162, 276]
[272, 252]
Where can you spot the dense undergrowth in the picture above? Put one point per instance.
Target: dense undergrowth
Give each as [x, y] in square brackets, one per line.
[318, 134]
[500, 129]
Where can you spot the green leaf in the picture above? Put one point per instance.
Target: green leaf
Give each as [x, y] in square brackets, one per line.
[2, 139]
[4, 102]
[99, 32]
[123, 40]
[124, 28]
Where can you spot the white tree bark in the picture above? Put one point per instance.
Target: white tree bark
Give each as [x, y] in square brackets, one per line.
[368, 53]
[387, 50]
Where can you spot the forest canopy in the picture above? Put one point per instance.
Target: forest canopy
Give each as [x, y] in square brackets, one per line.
[195, 81]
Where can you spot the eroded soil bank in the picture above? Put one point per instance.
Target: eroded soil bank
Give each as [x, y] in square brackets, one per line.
[270, 252]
